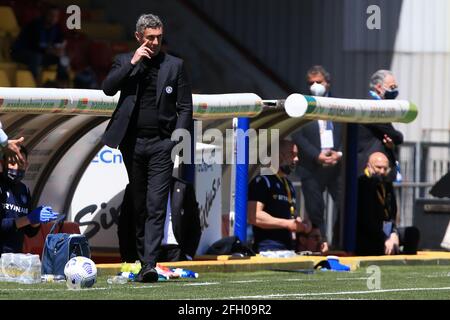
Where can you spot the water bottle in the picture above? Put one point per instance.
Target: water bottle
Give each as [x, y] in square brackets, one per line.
[35, 269]
[184, 273]
[21, 268]
[117, 280]
[52, 278]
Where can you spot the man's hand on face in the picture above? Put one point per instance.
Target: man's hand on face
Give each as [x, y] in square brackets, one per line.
[142, 51]
[387, 141]
[12, 152]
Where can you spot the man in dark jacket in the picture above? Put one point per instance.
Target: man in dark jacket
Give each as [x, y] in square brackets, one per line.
[320, 165]
[155, 99]
[379, 137]
[377, 232]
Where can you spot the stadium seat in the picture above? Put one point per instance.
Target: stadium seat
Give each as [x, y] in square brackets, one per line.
[4, 80]
[10, 69]
[100, 58]
[24, 78]
[77, 49]
[8, 22]
[48, 75]
[35, 245]
[104, 31]
[119, 47]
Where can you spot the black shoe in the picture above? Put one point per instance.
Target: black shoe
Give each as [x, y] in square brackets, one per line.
[147, 274]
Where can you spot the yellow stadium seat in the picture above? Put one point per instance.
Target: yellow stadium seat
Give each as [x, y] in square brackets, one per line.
[8, 22]
[48, 75]
[10, 69]
[24, 78]
[4, 80]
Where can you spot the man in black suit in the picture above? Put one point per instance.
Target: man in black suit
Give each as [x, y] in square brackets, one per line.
[376, 229]
[319, 142]
[380, 137]
[155, 99]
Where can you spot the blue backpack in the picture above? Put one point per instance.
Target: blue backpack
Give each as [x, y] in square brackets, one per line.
[60, 248]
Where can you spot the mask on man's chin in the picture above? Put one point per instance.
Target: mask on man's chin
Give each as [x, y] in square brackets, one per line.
[287, 169]
[378, 178]
[15, 175]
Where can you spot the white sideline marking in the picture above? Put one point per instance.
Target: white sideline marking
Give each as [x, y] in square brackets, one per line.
[361, 278]
[82, 290]
[201, 284]
[334, 293]
[248, 281]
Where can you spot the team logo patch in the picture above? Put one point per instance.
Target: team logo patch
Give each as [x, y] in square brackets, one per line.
[169, 89]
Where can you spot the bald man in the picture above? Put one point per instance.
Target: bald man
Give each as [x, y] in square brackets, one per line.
[377, 233]
[272, 205]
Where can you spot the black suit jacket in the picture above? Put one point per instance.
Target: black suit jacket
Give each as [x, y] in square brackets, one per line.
[370, 140]
[173, 96]
[307, 139]
[372, 213]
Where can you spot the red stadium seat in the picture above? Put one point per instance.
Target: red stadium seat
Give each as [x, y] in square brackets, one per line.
[100, 58]
[77, 49]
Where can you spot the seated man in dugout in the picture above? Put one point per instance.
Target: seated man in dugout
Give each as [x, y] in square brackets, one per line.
[377, 232]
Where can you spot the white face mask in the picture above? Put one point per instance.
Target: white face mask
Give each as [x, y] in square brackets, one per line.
[318, 89]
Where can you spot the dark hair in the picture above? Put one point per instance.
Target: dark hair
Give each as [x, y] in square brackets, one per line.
[319, 69]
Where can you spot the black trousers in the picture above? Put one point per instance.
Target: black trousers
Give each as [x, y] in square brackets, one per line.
[313, 188]
[149, 166]
[409, 238]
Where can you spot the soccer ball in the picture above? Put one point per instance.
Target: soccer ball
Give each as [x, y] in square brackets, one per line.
[80, 272]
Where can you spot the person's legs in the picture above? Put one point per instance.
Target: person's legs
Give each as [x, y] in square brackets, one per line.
[333, 186]
[159, 173]
[136, 162]
[409, 238]
[314, 204]
[170, 253]
[126, 231]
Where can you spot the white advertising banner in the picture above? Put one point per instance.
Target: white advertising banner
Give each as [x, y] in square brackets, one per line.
[97, 199]
[208, 187]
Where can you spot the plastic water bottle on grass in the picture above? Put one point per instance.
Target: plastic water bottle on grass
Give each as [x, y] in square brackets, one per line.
[117, 280]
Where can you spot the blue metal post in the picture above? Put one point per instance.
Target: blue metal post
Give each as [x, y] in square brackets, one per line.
[242, 157]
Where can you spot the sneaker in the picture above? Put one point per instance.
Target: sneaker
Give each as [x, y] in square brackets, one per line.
[147, 274]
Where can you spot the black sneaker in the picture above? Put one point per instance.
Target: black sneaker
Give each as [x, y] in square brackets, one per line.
[147, 274]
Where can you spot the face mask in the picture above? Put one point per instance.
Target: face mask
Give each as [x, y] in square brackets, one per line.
[379, 178]
[390, 94]
[287, 169]
[318, 89]
[15, 175]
